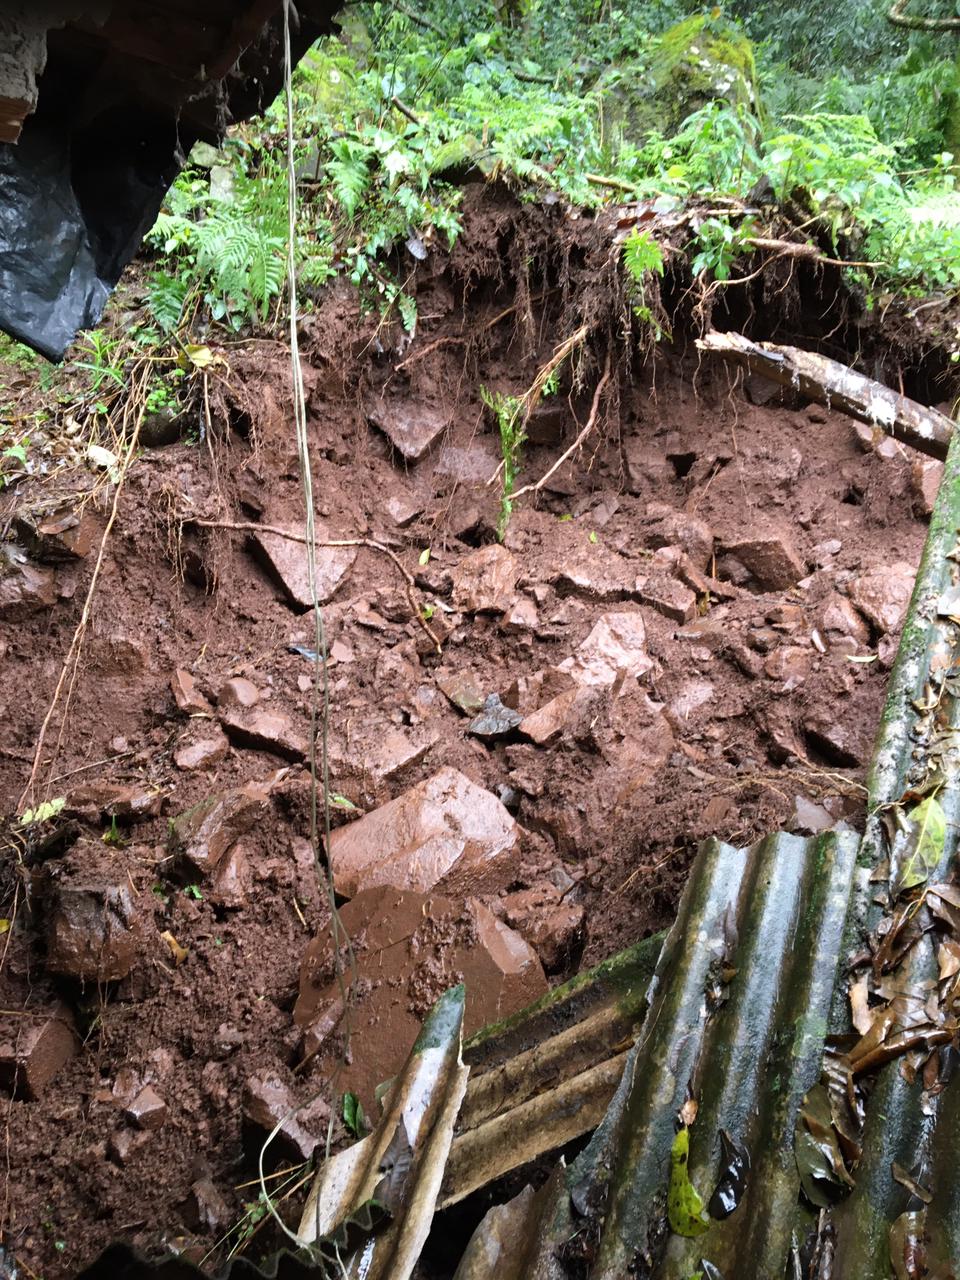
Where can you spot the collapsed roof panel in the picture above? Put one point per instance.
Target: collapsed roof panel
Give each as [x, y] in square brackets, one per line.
[100, 103]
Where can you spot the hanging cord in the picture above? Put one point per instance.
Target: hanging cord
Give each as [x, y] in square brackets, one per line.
[319, 710]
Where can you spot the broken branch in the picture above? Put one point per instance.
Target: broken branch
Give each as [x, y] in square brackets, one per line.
[837, 386]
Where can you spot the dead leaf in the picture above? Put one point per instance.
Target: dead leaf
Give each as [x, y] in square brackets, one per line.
[860, 1012]
[179, 953]
[908, 1252]
[907, 1180]
[688, 1112]
[948, 958]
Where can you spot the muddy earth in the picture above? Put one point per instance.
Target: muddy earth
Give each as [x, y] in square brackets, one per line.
[685, 631]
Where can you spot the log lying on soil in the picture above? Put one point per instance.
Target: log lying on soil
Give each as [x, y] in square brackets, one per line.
[838, 387]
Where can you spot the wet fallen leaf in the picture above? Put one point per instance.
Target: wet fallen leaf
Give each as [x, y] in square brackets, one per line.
[685, 1211]
[948, 958]
[908, 1252]
[179, 953]
[688, 1112]
[926, 831]
[4, 925]
[824, 1176]
[734, 1171]
[907, 1180]
[860, 1004]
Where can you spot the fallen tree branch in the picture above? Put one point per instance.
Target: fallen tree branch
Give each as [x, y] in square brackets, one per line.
[838, 387]
[249, 526]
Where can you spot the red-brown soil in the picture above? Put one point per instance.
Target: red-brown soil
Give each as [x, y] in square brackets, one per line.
[750, 704]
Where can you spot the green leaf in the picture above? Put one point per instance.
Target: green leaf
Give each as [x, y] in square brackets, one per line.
[926, 835]
[341, 802]
[424, 556]
[685, 1211]
[353, 1116]
[43, 812]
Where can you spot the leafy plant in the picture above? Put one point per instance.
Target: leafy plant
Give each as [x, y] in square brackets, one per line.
[642, 257]
[719, 244]
[510, 417]
[353, 1116]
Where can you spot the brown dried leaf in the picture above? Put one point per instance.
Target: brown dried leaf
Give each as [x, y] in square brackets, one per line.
[908, 1252]
[860, 1012]
[179, 953]
[907, 1180]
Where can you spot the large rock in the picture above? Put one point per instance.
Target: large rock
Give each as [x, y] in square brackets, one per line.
[484, 581]
[883, 594]
[92, 916]
[63, 536]
[446, 832]
[264, 730]
[34, 1046]
[365, 761]
[616, 644]
[411, 427]
[202, 835]
[286, 561]
[769, 557]
[414, 947]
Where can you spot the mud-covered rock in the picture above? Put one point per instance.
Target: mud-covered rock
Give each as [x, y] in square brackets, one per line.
[34, 1046]
[286, 561]
[187, 696]
[201, 836]
[495, 720]
[616, 644]
[238, 693]
[93, 924]
[555, 929]
[366, 761]
[264, 730]
[769, 557]
[266, 1103]
[205, 1208]
[25, 588]
[58, 538]
[925, 475]
[669, 528]
[147, 1110]
[484, 581]
[412, 429]
[446, 833]
[883, 594]
[99, 801]
[203, 752]
[415, 946]
[667, 596]
[231, 880]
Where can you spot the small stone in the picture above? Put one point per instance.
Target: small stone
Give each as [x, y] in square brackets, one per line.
[446, 831]
[791, 665]
[93, 921]
[600, 582]
[411, 426]
[121, 654]
[463, 691]
[883, 594]
[495, 720]
[124, 1144]
[402, 511]
[770, 559]
[520, 617]
[231, 879]
[925, 475]
[838, 617]
[202, 835]
[264, 730]
[202, 754]
[553, 928]
[267, 1103]
[547, 723]
[667, 596]
[809, 818]
[670, 528]
[205, 1209]
[25, 588]
[763, 639]
[692, 695]
[99, 800]
[484, 581]
[147, 1110]
[58, 538]
[186, 695]
[816, 414]
[363, 763]
[824, 552]
[616, 644]
[837, 743]
[286, 560]
[33, 1048]
[786, 617]
[238, 692]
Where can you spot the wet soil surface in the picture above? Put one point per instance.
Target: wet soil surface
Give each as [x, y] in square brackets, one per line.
[688, 629]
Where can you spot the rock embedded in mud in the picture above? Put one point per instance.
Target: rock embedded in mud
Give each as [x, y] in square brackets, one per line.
[495, 720]
[203, 753]
[670, 528]
[520, 617]
[25, 588]
[34, 1046]
[647, 467]
[238, 692]
[545, 725]
[93, 924]
[264, 730]
[415, 946]
[838, 742]
[769, 558]
[187, 696]
[104, 800]
[883, 594]
[412, 428]
[365, 762]
[616, 644]
[266, 1103]
[147, 1110]
[484, 581]
[925, 476]
[555, 929]
[286, 560]
[124, 1144]
[402, 511]
[667, 596]
[201, 836]
[445, 832]
[59, 538]
[231, 879]
[205, 1209]
[838, 617]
